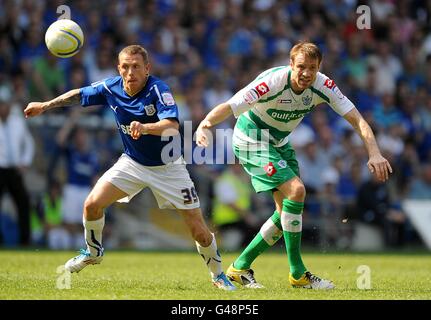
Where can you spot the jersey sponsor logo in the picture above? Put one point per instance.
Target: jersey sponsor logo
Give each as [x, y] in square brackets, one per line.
[330, 83]
[168, 99]
[150, 109]
[262, 89]
[251, 96]
[286, 116]
[125, 129]
[270, 169]
[306, 100]
[283, 101]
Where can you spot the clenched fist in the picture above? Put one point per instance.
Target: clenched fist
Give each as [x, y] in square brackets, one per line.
[33, 109]
[136, 129]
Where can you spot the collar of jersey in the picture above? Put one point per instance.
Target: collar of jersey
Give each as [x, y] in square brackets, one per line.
[136, 93]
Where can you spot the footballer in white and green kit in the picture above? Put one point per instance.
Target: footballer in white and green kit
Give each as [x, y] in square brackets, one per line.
[268, 110]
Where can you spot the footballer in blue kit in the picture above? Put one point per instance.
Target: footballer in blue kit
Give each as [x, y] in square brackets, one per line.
[145, 111]
[153, 103]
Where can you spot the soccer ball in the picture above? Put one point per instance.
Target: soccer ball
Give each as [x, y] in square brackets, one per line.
[64, 38]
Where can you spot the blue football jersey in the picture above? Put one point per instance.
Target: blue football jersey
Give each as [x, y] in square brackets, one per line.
[153, 103]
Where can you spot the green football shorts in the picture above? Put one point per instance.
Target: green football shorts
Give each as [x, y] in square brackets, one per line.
[269, 167]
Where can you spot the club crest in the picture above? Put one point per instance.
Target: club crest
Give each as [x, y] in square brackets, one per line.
[150, 110]
[306, 100]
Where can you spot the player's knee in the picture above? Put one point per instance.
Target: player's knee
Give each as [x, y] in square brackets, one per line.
[92, 206]
[297, 191]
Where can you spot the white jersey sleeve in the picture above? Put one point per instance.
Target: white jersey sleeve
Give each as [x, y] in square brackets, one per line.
[265, 85]
[337, 101]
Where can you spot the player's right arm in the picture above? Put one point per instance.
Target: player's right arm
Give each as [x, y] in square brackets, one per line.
[85, 96]
[266, 84]
[214, 117]
[71, 97]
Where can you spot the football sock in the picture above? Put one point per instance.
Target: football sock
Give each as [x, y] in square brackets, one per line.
[268, 235]
[211, 257]
[93, 236]
[291, 221]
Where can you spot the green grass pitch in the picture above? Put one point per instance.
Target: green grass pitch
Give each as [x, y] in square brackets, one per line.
[183, 276]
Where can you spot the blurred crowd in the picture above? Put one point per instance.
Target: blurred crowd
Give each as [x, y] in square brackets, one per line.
[208, 50]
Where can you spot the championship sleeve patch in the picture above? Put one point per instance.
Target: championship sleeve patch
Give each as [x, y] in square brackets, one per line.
[168, 99]
[262, 89]
[251, 96]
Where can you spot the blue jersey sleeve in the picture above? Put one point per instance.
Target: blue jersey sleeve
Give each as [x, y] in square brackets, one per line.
[166, 106]
[94, 94]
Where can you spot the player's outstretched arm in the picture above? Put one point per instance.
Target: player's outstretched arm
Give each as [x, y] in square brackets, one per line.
[377, 164]
[34, 109]
[214, 117]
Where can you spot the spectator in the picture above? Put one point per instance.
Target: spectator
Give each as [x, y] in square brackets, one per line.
[82, 168]
[16, 154]
[49, 212]
[376, 208]
[421, 184]
[232, 206]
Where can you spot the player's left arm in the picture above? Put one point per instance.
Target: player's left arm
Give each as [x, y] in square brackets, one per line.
[164, 127]
[332, 95]
[377, 164]
[167, 112]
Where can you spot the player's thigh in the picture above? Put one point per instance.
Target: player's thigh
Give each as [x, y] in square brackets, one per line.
[267, 168]
[103, 195]
[278, 200]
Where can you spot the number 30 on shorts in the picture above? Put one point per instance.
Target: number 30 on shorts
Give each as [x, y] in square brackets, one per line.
[190, 195]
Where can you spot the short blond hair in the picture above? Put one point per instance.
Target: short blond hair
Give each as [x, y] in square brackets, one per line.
[135, 49]
[309, 49]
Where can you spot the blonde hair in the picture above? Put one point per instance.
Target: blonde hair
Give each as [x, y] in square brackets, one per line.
[309, 49]
[135, 49]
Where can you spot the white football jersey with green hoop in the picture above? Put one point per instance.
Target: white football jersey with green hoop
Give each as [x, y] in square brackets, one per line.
[269, 103]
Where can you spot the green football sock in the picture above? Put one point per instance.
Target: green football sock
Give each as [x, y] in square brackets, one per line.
[268, 235]
[291, 221]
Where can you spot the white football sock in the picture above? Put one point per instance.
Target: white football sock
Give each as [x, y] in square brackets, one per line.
[93, 236]
[211, 257]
